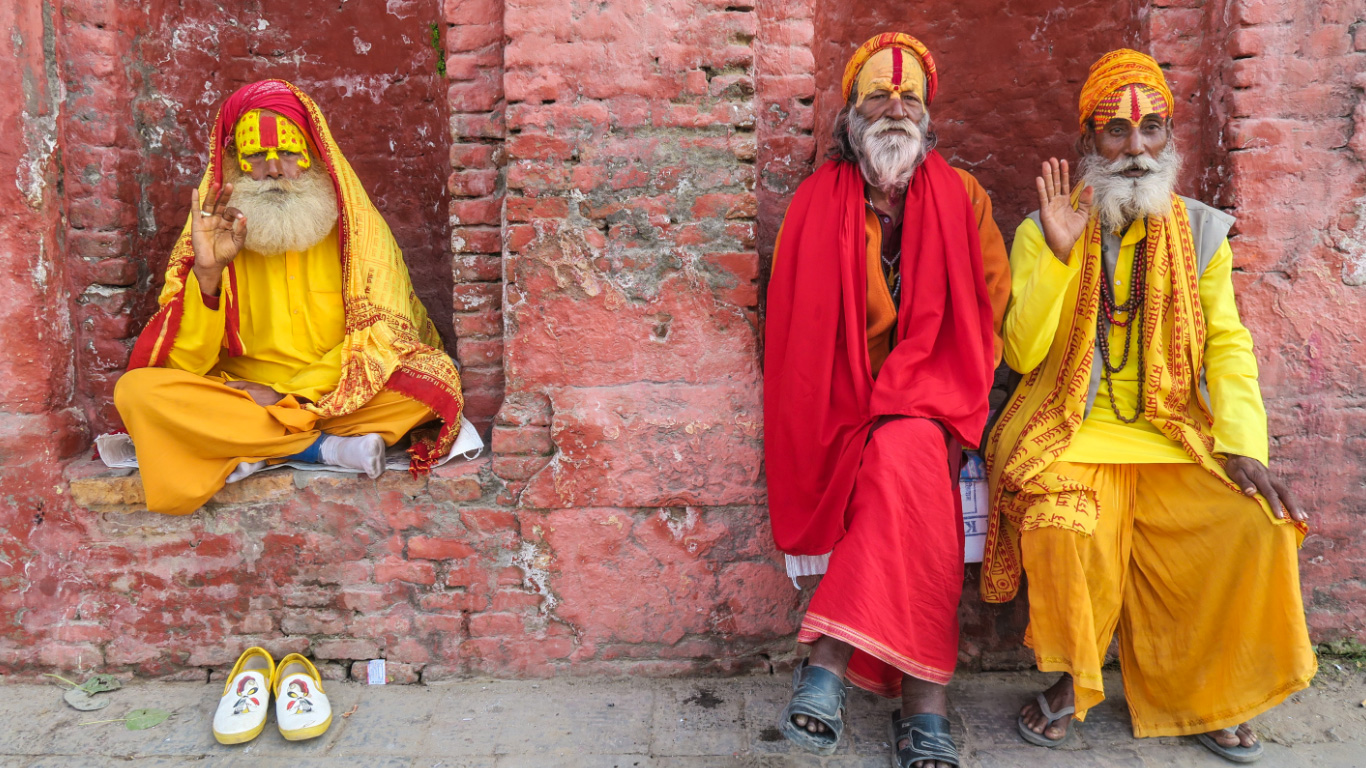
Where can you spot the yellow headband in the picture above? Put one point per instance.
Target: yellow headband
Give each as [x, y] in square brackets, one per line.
[893, 69]
[259, 132]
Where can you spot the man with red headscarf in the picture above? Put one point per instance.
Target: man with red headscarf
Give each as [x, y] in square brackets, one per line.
[1128, 470]
[889, 283]
[287, 326]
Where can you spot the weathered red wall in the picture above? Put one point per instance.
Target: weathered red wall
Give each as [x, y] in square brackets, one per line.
[144, 82]
[615, 171]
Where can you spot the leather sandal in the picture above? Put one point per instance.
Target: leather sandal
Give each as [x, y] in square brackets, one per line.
[1038, 739]
[1236, 754]
[818, 694]
[927, 738]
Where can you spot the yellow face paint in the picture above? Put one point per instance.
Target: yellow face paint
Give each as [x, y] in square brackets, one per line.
[1131, 102]
[258, 132]
[895, 70]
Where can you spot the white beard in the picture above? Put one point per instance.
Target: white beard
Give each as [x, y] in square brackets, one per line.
[284, 215]
[887, 157]
[1120, 200]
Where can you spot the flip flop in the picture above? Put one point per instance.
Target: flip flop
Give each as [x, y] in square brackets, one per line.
[819, 694]
[927, 738]
[1038, 739]
[1238, 754]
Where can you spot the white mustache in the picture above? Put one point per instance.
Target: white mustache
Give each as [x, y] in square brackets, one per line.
[888, 124]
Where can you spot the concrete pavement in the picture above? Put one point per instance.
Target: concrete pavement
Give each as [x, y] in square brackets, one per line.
[641, 723]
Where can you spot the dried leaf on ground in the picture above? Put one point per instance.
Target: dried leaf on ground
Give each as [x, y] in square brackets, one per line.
[81, 699]
[142, 719]
[101, 683]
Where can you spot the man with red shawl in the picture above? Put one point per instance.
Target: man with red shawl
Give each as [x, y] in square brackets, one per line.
[287, 326]
[889, 283]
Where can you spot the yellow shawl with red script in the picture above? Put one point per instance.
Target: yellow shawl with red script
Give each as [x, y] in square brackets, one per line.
[390, 342]
[1047, 408]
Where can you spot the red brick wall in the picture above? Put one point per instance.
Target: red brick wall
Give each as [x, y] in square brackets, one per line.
[612, 175]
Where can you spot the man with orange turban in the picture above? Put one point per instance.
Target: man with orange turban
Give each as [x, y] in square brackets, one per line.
[889, 283]
[1128, 470]
[287, 327]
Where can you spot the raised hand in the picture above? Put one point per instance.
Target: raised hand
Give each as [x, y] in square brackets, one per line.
[1062, 225]
[217, 233]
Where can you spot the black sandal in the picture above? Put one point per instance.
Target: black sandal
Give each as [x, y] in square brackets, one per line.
[927, 737]
[819, 695]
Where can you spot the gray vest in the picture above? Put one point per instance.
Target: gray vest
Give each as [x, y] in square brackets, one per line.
[1209, 228]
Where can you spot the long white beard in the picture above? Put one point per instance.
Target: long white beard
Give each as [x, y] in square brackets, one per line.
[1119, 199]
[887, 157]
[284, 215]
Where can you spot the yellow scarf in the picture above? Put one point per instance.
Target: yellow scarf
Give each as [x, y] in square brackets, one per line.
[1047, 408]
[390, 342]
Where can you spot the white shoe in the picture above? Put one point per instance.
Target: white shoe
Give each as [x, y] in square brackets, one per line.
[301, 708]
[241, 713]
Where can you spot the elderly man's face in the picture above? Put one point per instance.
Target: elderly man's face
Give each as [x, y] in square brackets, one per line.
[1122, 138]
[880, 104]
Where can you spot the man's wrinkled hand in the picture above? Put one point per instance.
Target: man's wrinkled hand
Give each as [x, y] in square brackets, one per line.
[1062, 224]
[1253, 477]
[262, 394]
[217, 234]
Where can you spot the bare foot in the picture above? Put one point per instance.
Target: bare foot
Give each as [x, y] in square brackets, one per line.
[1060, 696]
[1243, 738]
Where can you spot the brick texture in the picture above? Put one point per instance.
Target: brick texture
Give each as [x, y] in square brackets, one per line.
[588, 200]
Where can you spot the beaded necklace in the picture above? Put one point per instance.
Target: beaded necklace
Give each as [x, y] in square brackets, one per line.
[890, 264]
[1133, 311]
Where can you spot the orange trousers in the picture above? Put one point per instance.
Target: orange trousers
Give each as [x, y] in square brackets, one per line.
[1203, 588]
[191, 432]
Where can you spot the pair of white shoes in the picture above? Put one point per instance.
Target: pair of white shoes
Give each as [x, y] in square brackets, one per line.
[302, 710]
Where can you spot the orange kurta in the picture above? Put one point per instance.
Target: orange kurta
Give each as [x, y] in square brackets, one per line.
[995, 261]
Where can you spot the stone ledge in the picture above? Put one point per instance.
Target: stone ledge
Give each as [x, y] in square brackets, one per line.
[98, 488]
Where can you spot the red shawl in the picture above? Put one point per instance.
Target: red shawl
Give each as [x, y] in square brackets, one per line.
[820, 398]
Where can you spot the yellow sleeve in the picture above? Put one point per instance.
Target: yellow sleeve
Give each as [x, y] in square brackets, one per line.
[1038, 288]
[315, 380]
[199, 340]
[1230, 366]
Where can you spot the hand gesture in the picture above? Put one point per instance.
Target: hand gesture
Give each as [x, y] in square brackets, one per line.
[1062, 226]
[262, 394]
[217, 233]
[1253, 477]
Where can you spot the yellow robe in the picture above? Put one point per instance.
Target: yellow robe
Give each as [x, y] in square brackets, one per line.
[190, 430]
[1201, 586]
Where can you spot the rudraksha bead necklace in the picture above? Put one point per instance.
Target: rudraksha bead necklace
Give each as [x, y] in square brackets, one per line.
[1133, 311]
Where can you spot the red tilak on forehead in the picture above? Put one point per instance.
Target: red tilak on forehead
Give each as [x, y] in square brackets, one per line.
[1134, 110]
[270, 132]
[896, 68]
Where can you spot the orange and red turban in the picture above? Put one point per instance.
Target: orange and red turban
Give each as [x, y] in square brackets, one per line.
[899, 63]
[1125, 84]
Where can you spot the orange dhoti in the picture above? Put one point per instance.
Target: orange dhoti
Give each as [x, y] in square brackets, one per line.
[1202, 586]
[191, 432]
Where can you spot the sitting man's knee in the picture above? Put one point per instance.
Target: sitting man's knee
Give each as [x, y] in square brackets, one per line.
[132, 387]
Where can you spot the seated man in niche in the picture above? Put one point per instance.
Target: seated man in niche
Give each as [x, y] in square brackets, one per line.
[1128, 469]
[288, 326]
